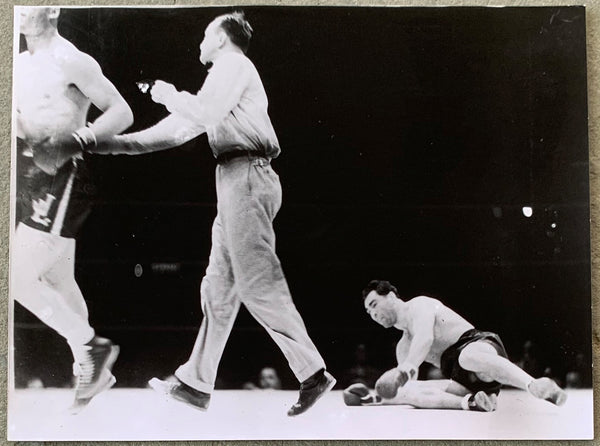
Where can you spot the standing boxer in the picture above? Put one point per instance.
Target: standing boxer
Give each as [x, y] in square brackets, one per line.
[243, 266]
[474, 361]
[55, 84]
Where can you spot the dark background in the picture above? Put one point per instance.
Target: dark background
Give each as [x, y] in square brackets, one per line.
[411, 138]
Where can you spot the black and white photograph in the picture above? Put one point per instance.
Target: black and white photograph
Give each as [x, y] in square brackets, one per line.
[300, 223]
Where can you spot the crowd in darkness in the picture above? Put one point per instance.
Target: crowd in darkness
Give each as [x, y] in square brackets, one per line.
[357, 367]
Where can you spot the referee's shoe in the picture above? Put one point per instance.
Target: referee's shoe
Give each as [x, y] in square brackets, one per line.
[179, 391]
[311, 390]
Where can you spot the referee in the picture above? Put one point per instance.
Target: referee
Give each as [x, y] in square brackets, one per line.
[243, 267]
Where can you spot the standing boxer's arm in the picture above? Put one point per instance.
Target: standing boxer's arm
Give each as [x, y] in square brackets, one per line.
[171, 132]
[116, 114]
[221, 92]
[85, 73]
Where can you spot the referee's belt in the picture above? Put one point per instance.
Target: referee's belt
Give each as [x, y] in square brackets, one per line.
[228, 156]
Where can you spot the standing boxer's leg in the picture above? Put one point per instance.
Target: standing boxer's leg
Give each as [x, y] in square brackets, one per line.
[61, 278]
[34, 253]
[36, 256]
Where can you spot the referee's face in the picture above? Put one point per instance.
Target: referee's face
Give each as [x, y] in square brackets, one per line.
[213, 40]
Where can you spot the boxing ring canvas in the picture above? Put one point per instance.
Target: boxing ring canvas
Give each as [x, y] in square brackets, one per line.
[251, 415]
[442, 149]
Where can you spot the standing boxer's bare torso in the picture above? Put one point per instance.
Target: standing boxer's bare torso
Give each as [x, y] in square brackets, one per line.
[47, 101]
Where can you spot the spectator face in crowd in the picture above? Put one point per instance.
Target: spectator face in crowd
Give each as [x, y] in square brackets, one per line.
[268, 379]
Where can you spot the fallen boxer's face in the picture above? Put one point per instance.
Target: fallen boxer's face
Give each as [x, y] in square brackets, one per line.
[380, 309]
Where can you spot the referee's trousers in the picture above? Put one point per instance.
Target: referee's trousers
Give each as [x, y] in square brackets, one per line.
[243, 268]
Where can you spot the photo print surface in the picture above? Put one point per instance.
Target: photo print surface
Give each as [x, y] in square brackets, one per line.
[266, 222]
